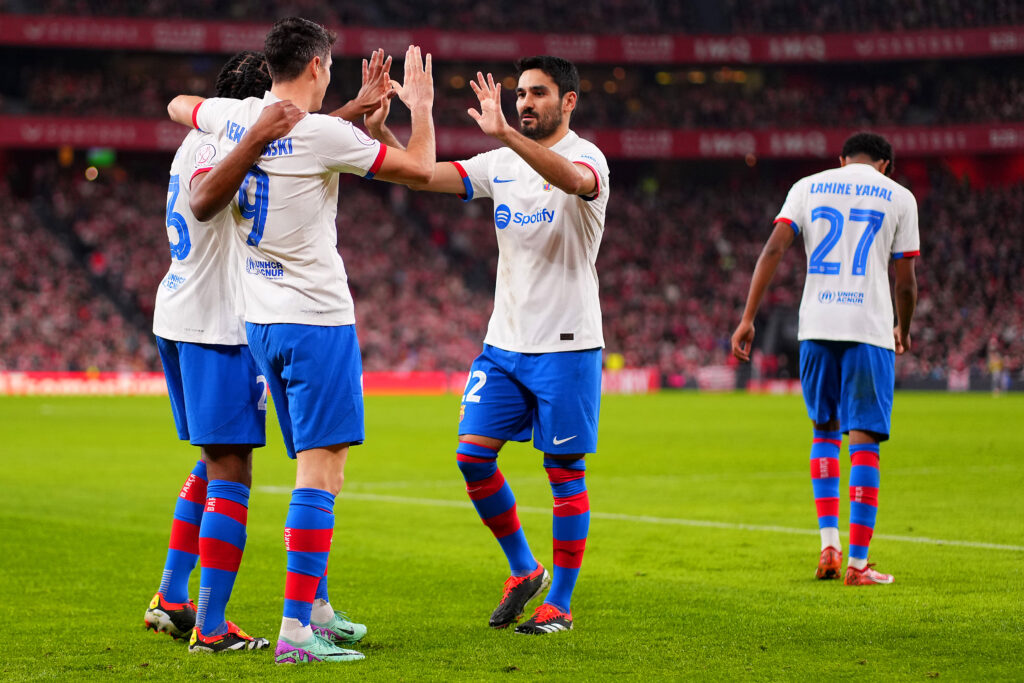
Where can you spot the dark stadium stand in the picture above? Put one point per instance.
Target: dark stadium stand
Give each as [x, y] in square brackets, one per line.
[598, 16]
[700, 165]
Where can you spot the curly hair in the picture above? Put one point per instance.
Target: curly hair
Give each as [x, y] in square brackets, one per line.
[244, 75]
[871, 144]
[292, 43]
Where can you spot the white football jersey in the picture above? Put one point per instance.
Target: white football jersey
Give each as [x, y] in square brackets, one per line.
[546, 294]
[285, 212]
[853, 220]
[198, 299]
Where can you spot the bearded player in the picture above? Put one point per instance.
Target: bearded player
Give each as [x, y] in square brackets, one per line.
[854, 219]
[539, 373]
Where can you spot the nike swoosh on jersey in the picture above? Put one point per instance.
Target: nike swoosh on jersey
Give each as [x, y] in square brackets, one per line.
[504, 180]
[559, 442]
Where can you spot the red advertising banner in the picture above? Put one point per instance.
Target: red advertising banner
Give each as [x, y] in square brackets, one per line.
[626, 381]
[47, 132]
[224, 37]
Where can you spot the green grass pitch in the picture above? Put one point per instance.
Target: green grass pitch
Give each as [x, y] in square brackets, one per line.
[699, 565]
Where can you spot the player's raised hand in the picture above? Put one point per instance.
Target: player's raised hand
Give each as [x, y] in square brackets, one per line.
[742, 340]
[418, 88]
[490, 117]
[376, 86]
[276, 120]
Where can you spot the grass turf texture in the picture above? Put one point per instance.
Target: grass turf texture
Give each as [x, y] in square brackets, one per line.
[87, 488]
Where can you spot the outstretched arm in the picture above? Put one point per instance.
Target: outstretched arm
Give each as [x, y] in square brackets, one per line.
[414, 164]
[906, 301]
[767, 262]
[213, 190]
[567, 176]
[181, 107]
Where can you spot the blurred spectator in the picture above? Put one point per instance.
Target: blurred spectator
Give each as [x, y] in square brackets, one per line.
[572, 16]
[674, 269]
[930, 93]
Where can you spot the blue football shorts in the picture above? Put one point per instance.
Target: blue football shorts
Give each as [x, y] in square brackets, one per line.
[556, 397]
[315, 374]
[218, 395]
[850, 381]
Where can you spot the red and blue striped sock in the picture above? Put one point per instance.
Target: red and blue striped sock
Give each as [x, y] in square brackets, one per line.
[825, 480]
[183, 548]
[308, 531]
[495, 503]
[864, 480]
[221, 542]
[570, 526]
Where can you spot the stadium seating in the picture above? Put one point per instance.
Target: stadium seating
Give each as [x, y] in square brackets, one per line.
[595, 16]
[674, 265]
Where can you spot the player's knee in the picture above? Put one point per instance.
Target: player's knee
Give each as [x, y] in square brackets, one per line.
[476, 462]
[830, 426]
[230, 462]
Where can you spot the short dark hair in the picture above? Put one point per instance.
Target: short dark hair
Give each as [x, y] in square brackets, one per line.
[562, 71]
[292, 43]
[871, 144]
[244, 75]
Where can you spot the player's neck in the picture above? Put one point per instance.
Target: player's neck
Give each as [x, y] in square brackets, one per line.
[298, 92]
[556, 137]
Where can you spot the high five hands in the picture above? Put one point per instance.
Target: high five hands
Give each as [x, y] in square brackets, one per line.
[490, 117]
[417, 90]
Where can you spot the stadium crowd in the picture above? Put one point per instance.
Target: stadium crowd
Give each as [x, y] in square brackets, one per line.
[674, 267]
[843, 96]
[572, 16]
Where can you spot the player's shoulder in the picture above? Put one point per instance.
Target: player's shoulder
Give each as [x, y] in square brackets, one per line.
[327, 127]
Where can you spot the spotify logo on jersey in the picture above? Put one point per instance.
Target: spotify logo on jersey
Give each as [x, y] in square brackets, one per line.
[502, 216]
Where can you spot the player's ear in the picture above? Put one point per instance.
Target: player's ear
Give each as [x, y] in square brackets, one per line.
[842, 161]
[569, 102]
[314, 67]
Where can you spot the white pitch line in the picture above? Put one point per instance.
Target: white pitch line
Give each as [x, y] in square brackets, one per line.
[673, 521]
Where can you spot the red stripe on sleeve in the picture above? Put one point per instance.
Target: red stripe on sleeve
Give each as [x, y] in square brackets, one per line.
[597, 180]
[465, 181]
[308, 540]
[228, 508]
[199, 171]
[184, 537]
[195, 114]
[378, 162]
[217, 554]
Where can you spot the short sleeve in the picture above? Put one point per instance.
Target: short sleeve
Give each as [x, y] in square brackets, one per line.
[598, 165]
[476, 176]
[344, 148]
[205, 155]
[793, 208]
[209, 114]
[907, 241]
